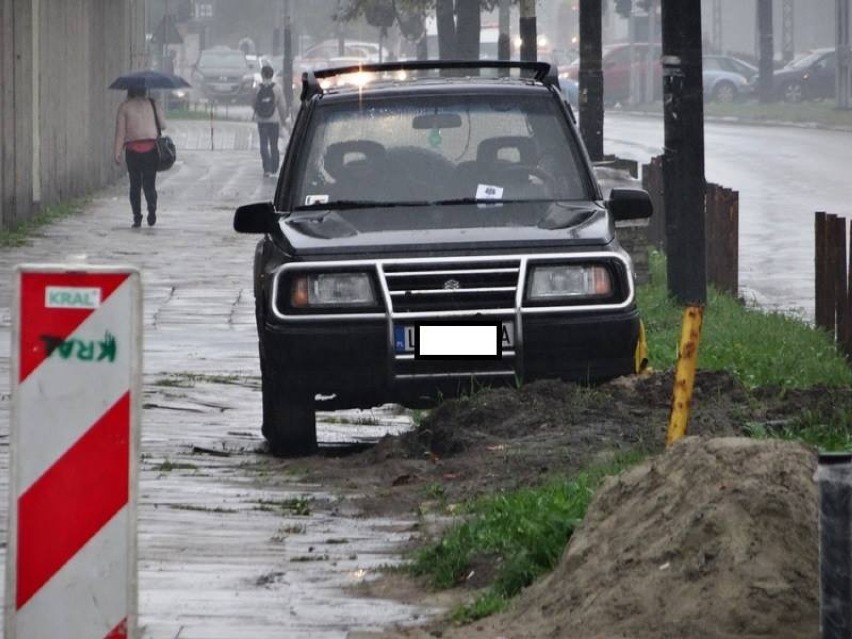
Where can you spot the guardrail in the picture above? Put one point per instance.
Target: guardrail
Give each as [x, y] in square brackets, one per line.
[833, 285]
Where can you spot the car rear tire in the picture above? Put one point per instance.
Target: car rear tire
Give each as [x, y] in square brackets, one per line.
[725, 92]
[793, 92]
[289, 416]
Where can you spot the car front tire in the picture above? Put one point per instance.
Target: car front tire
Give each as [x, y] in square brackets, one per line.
[793, 92]
[725, 92]
[289, 416]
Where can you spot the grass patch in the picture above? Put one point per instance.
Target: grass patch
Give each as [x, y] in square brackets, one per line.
[21, 234]
[817, 112]
[166, 466]
[828, 433]
[189, 380]
[300, 506]
[188, 114]
[824, 112]
[202, 509]
[518, 536]
[759, 348]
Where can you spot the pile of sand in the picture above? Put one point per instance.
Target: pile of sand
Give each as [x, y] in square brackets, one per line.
[715, 538]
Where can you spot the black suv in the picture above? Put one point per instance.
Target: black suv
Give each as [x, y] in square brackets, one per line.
[435, 224]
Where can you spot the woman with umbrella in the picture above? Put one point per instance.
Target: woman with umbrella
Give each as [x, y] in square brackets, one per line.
[137, 125]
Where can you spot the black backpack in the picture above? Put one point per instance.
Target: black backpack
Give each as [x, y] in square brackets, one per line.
[264, 101]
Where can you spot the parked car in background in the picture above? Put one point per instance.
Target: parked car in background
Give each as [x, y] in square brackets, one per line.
[723, 86]
[718, 62]
[223, 74]
[809, 77]
[319, 55]
[618, 62]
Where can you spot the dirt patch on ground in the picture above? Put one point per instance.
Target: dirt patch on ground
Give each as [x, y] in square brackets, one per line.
[714, 538]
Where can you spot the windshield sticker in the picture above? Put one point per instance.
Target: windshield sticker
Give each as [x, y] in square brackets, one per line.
[489, 192]
[315, 199]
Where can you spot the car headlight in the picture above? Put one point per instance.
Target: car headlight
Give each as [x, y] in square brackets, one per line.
[568, 281]
[332, 290]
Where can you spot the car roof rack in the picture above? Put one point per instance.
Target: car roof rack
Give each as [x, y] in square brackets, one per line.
[543, 72]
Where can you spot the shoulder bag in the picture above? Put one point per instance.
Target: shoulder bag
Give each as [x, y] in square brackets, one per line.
[166, 151]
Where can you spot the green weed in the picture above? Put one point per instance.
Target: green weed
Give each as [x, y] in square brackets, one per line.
[520, 535]
[20, 234]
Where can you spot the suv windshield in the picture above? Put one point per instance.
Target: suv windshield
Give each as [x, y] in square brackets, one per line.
[440, 148]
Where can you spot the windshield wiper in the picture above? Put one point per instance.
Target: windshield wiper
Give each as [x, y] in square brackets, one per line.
[342, 205]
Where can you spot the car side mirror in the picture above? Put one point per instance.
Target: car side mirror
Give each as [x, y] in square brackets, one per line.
[259, 217]
[629, 204]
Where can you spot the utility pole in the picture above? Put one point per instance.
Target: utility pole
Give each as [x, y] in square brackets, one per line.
[843, 55]
[717, 25]
[527, 31]
[591, 78]
[767, 49]
[651, 59]
[683, 157]
[788, 47]
[683, 192]
[287, 58]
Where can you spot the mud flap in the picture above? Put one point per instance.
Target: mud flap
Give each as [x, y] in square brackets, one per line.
[640, 356]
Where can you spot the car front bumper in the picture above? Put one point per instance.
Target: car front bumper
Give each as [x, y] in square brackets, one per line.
[358, 364]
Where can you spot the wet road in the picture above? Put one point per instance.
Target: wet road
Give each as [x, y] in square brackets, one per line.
[230, 545]
[783, 175]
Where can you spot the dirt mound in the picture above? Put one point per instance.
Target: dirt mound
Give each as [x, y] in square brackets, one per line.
[716, 538]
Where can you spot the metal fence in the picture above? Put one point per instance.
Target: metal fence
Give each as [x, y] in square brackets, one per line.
[833, 286]
[721, 219]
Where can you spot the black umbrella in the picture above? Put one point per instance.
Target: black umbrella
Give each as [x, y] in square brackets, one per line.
[149, 80]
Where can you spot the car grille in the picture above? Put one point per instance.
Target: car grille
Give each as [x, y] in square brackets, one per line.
[456, 286]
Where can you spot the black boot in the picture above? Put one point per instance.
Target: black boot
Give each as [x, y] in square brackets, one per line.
[137, 221]
[152, 218]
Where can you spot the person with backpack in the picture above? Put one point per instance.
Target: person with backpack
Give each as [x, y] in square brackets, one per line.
[270, 112]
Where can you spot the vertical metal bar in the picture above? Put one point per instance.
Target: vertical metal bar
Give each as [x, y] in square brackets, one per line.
[839, 276]
[831, 273]
[687, 359]
[834, 476]
[820, 277]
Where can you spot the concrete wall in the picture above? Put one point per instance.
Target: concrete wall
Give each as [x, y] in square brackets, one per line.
[57, 116]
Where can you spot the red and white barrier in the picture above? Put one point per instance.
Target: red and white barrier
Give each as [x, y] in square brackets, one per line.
[76, 390]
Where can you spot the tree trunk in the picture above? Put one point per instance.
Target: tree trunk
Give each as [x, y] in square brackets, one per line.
[528, 31]
[504, 44]
[446, 29]
[468, 29]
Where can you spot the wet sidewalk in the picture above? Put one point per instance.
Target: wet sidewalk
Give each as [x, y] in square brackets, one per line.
[230, 545]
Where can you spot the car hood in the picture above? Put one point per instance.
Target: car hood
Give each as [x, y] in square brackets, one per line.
[463, 226]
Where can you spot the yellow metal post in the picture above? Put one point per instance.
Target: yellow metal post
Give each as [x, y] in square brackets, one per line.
[690, 335]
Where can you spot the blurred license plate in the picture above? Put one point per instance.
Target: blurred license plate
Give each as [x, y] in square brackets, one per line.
[405, 340]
